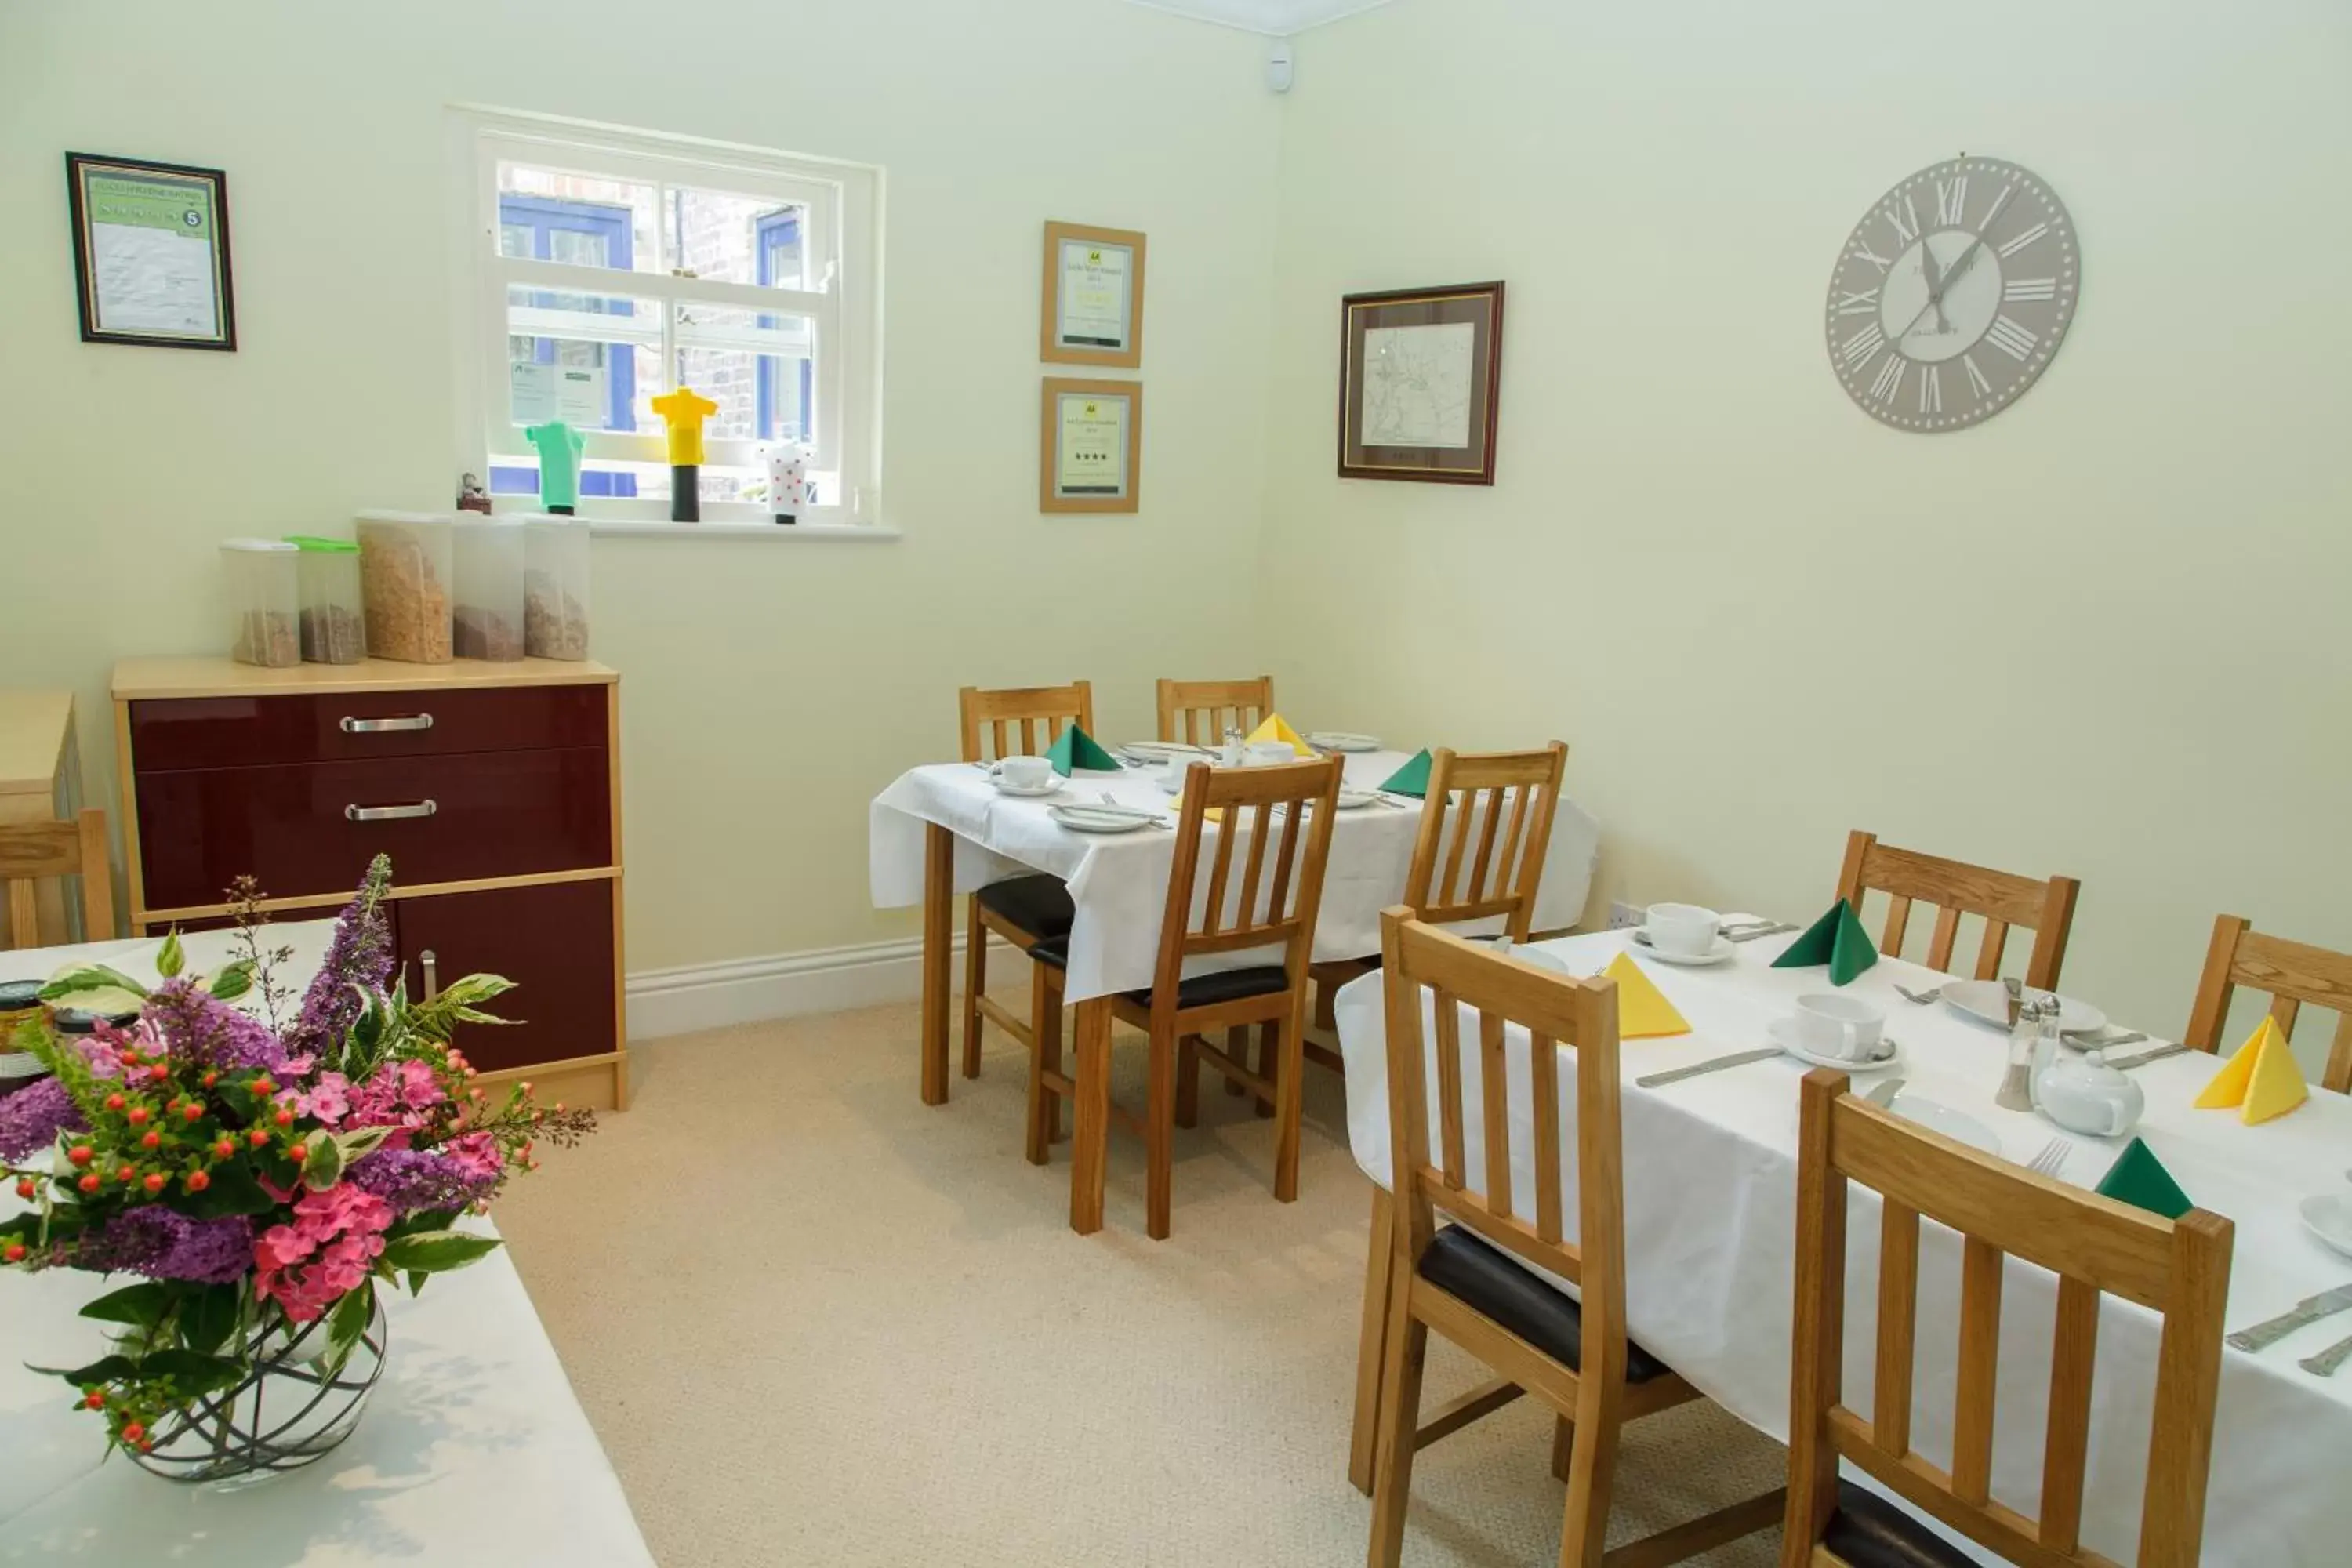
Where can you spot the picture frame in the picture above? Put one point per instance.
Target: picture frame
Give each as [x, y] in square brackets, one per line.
[1090, 446]
[1092, 310]
[1420, 383]
[151, 253]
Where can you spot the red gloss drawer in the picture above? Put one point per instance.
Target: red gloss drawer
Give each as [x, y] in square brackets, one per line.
[494, 814]
[247, 732]
[555, 942]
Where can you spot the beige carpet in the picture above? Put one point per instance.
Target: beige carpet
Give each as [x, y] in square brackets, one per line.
[816, 1322]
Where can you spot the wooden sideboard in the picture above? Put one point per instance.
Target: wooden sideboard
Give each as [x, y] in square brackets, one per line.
[40, 781]
[496, 789]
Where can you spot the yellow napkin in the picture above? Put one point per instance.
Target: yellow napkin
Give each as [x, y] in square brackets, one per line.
[1643, 1011]
[2261, 1079]
[1277, 728]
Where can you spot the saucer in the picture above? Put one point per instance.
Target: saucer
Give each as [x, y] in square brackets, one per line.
[1356, 799]
[2328, 1217]
[1722, 950]
[1057, 784]
[1783, 1032]
[1957, 1126]
[1986, 1001]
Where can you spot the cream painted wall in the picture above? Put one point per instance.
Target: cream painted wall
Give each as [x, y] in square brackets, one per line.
[1759, 618]
[769, 689]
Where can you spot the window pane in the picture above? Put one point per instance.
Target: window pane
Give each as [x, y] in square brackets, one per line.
[757, 365]
[739, 239]
[615, 338]
[554, 215]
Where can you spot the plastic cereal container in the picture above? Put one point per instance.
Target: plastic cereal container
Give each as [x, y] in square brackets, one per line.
[555, 587]
[490, 588]
[334, 629]
[265, 602]
[404, 582]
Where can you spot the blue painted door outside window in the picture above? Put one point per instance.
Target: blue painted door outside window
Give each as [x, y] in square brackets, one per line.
[592, 232]
[776, 247]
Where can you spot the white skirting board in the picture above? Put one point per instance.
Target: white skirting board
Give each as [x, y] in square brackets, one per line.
[793, 985]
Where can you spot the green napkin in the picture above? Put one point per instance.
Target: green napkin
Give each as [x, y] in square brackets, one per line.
[2138, 1178]
[1413, 778]
[1076, 749]
[1837, 940]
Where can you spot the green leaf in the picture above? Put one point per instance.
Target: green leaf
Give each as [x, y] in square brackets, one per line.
[422, 1220]
[366, 1140]
[192, 1373]
[107, 1369]
[473, 988]
[91, 977]
[169, 960]
[417, 1277]
[141, 1304]
[433, 1251]
[233, 1191]
[208, 1317]
[348, 1323]
[233, 981]
[322, 1166]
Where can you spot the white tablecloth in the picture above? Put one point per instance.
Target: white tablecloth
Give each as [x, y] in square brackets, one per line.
[472, 1449]
[1711, 1186]
[1120, 883]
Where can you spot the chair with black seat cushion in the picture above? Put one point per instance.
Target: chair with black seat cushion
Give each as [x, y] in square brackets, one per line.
[1284, 815]
[2178, 1269]
[1482, 1280]
[1024, 910]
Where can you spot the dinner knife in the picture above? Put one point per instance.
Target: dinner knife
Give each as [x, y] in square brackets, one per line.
[2324, 1364]
[2308, 1311]
[1737, 1058]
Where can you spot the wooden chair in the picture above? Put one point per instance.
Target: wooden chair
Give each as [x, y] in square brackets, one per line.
[2177, 1269]
[2002, 898]
[31, 850]
[1198, 708]
[2290, 973]
[1471, 1281]
[1023, 910]
[1289, 838]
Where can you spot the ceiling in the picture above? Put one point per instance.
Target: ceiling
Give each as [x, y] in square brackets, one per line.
[1277, 17]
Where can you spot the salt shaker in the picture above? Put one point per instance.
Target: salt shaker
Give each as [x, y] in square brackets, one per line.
[1234, 752]
[2016, 1091]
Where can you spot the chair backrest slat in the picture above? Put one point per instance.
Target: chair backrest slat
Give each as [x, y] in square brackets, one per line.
[993, 720]
[75, 848]
[2001, 900]
[1555, 1011]
[1455, 878]
[1249, 802]
[2290, 973]
[1194, 711]
[2178, 1269]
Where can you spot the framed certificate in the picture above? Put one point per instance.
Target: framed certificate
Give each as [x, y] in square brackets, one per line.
[1090, 452]
[1093, 297]
[1419, 374]
[151, 253]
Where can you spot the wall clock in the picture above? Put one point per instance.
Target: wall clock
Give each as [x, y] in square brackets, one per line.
[1952, 295]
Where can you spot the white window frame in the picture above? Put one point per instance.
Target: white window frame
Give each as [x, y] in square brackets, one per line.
[841, 244]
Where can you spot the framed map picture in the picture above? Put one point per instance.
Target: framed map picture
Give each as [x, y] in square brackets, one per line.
[1419, 372]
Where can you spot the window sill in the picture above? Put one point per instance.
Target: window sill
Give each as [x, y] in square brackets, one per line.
[781, 533]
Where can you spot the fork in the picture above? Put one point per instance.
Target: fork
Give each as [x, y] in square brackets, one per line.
[1921, 997]
[2052, 1158]
[1113, 801]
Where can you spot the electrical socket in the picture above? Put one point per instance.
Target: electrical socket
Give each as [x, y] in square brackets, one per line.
[1620, 916]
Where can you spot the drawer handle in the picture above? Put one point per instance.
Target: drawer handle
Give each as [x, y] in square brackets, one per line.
[388, 813]
[431, 965]
[385, 726]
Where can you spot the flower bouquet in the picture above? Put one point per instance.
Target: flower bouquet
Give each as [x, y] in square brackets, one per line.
[262, 1177]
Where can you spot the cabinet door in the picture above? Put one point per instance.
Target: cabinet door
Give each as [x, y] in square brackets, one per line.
[554, 941]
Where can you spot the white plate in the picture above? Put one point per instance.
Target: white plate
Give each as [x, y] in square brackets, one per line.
[20, 1064]
[1986, 1001]
[1340, 740]
[1097, 819]
[1057, 787]
[1722, 950]
[1784, 1035]
[1937, 1117]
[2328, 1217]
[1356, 799]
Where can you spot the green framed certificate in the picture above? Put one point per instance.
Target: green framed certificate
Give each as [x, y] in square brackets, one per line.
[1091, 446]
[151, 252]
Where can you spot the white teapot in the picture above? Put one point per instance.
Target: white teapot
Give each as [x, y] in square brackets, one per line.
[2083, 1094]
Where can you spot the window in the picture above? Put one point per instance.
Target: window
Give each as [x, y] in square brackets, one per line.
[610, 267]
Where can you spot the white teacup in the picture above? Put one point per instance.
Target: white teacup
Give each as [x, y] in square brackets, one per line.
[1846, 1027]
[1267, 754]
[1686, 930]
[1024, 772]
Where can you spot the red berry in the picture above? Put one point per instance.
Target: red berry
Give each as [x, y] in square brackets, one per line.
[80, 1154]
[155, 1181]
[257, 1137]
[138, 1117]
[211, 1079]
[284, 1119]
[89, 1183]
[262, 1085]
[198, 1181]
[225, 1148]
[159, 1073]
[24, 1189]
[126, 1174]
[94, 1399]
[14, 1253]
[113, 1102]
[152, 1141]
[192, 1111]
[132, 1431]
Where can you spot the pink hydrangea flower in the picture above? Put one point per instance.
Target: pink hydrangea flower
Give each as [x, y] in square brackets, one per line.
[475, 1155]
[329, 1098]
[307, 1267]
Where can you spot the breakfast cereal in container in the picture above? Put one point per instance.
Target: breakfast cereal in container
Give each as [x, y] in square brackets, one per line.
[555, 587]
[489, 587]
[265, 602]
[406, 573]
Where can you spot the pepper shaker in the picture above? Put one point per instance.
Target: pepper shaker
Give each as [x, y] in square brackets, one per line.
[1234, 752]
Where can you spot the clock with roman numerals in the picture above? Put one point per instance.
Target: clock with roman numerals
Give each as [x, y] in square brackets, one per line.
[1952, 295]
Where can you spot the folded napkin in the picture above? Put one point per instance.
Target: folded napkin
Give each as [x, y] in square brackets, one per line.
[1643, 1011]
[2138, 1178]
[1837, 940]
[1076, 749]
[1413, 778]
[2262, 1079]
[1277, 728]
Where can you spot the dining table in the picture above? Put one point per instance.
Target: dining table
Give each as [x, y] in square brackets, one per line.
[1710, 1182]
[473, 1447]
[945, 828]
